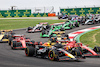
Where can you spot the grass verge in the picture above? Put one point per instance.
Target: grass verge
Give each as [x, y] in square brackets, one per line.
[91, 38]
[23, 23]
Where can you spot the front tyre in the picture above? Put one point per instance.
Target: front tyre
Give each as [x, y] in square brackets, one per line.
[52, 55]
[10, 39]
[13, 45]
[30, 51]
[96, 49]
[77, 24]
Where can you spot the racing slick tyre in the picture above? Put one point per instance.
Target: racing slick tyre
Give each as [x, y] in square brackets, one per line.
[10, 39]
[99, 21]
[62, 29]
[96, 49]
[59, 17]
[83, 23]
[43, 32]
[13, 44]
[27, 38]
[53, 55]
[29, 51]
[67, 37]
[93, 22]
[48, 26]
[71, 26]
[51, 35]
[76, 52]
[33, 42]
[77, 24]
[29, 28]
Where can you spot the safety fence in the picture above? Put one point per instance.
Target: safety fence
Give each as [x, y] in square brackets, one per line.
[80, 11]
[23, 13]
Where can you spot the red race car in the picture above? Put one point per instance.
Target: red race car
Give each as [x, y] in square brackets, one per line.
[19, 42]
[85, 49]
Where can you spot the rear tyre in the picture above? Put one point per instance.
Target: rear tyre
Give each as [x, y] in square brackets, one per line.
[67, 37]
[43, 32]
[96, 49]
[76, 52]
[62, 29]
[30, 51]
[13, 44]
[77, 24]
[71, 26]
[10, 39]
[29, 28]
[27, 38]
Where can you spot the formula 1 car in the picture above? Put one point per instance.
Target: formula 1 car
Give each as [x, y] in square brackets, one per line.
[63, 16]
[89, 19]
[38, 27]
[53, 52]
[84, 49]
[60, 35]
[4, 35]
[97, 18]
[48, 32]
[70, 24]
[18, 42]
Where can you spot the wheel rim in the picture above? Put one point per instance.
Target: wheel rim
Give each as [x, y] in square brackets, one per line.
[51, 55]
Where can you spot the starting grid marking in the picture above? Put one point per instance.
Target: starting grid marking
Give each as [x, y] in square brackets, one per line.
[74, 34]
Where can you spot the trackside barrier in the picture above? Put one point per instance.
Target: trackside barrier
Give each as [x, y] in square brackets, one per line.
[51, 14]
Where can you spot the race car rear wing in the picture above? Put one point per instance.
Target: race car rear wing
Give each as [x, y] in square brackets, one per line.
[58, 23]
[6, 30]
[59, 32]
[18, 35]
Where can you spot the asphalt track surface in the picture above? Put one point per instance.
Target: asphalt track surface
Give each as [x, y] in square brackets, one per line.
[17, 58]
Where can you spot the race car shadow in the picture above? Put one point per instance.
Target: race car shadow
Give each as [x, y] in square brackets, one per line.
[71, 61]
[46, 59]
